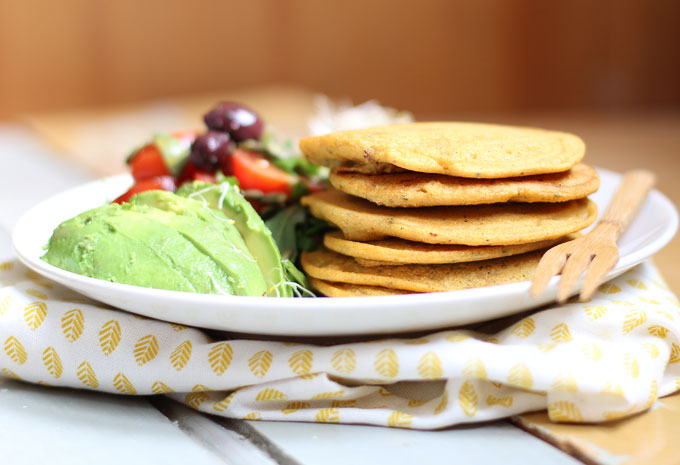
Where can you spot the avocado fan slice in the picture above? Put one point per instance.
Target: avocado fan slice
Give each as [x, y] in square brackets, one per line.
[228, 199]
[213, 234]
[128, 245]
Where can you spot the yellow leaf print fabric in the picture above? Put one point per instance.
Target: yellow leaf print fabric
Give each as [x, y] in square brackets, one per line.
[524, 328]
[109, 336]
[301, 362]
[269, 394]
[15, 350]
[344, 361]
[386, 363]
[598, 361]
[146, 349]
[564, 411]
[181, 355]
[52, 362]
[72, 324]
[260, 362]
[429, 366]
[467, 399]
[34, 314]
[399, 420]
[220, 357]
[87, 376]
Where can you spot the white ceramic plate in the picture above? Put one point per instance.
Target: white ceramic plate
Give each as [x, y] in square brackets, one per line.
[654, 226]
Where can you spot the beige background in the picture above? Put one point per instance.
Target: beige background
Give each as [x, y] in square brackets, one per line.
[430, 56]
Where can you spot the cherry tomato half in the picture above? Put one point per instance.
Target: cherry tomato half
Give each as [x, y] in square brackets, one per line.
[163, 183]
[148, 163]
[254, 171]
[191, 173]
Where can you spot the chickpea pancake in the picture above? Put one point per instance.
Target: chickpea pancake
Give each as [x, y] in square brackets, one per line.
[411, 190]
[335, 289]
[390, 252]
[497, 224]
[324, 264]
[469, 150]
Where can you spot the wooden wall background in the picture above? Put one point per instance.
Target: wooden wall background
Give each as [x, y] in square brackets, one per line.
[433, 56]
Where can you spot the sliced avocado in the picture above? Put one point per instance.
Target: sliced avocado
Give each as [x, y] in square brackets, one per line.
[229, 200]
[213, 234]
[128, 244]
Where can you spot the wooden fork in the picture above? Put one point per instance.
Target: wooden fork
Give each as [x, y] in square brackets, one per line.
[595, 251]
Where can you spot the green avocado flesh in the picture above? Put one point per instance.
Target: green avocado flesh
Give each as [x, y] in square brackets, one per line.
[159, 240]
[228, 200]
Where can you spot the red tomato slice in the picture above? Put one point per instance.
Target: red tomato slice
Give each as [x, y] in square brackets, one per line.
[191, 173]
[257, 205]
[254, 171]
[204, 176]
[163, 183]
[187, 174]
[148, 163]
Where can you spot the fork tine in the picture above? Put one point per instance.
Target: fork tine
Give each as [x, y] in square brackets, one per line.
[576, 265]
[551, 264]
[599, 267]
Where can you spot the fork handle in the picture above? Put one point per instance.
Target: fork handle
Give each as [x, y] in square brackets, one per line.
[627, 200]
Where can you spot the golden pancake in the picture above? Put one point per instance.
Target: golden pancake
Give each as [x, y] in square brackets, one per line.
[333, 289]
[469, 150]
[498, 224]
[327, 265]
[390, 252]
[410, 189]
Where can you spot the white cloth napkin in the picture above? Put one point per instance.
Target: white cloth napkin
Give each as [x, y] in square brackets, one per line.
[584, 362]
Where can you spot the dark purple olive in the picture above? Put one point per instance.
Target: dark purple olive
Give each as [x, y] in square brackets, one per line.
[210, 149]
[238, 120]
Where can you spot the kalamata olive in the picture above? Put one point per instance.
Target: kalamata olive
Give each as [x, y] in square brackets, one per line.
[209, 150]
[238, 120]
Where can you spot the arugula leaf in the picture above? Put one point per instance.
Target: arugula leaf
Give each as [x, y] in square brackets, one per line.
[283, 227]
[310, 232]
[294, 229]
[299, 165]
[299, 190]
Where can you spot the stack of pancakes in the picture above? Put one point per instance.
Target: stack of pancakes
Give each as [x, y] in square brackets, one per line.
[427, 207]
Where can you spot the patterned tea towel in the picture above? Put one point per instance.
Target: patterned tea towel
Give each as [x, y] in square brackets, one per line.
[583, 362]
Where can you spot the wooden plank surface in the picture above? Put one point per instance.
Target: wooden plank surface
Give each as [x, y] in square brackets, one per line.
[648, 438]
